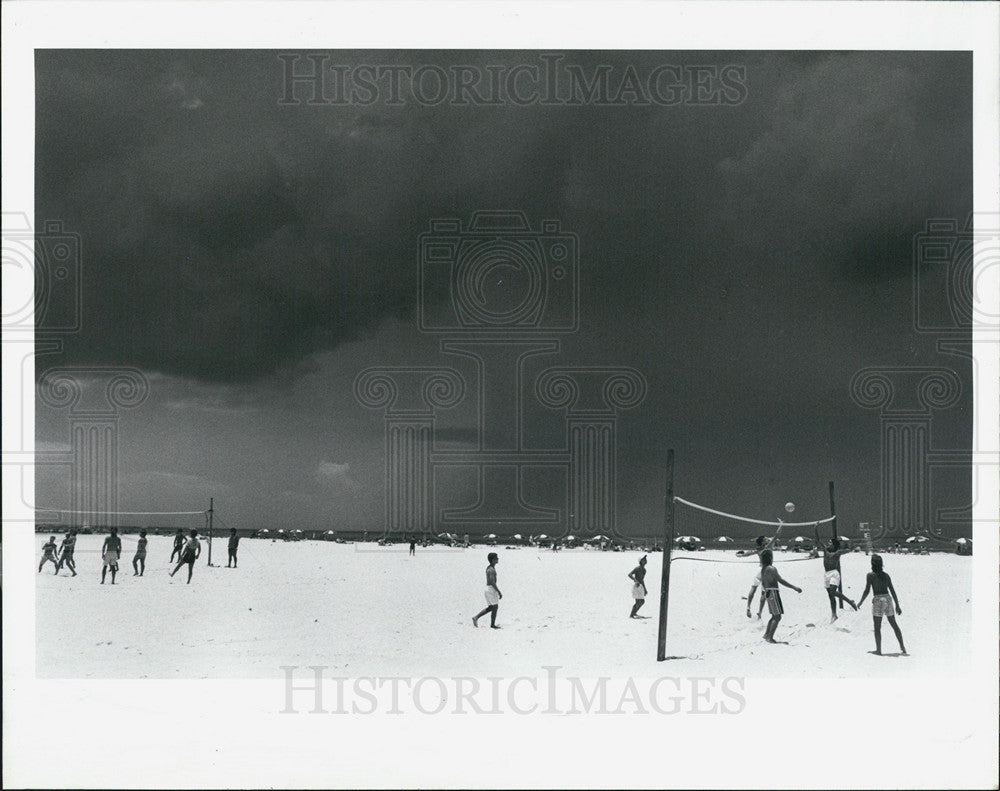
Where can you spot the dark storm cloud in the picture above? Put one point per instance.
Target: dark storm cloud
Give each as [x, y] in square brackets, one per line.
[226, 236]
[856, 154]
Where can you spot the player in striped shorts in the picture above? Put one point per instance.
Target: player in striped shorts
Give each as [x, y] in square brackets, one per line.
[770, 579]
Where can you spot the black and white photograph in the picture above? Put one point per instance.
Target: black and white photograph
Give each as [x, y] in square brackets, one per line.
[414, 395]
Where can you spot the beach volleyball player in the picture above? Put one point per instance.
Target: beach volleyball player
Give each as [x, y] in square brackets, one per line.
[139, 559]
[66, 551]
[880, 584]
[761, 543]
[831, 575]
[49, 554]
[111, 551]
[770, 579]
[189, 554]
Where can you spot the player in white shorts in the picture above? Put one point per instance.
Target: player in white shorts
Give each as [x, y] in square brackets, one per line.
[639, 592]
[111, 550]
[493, 594]
[831, 576]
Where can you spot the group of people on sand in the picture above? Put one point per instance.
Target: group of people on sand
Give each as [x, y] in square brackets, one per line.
[885, 602]
[187, 549]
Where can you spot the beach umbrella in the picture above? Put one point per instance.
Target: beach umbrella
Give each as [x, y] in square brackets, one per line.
[492, 535]
[918, 539]
[542, 537]
[517, 536]
[600, 538]
[801, 539]
[571, 538]
[963, 541]
[724, 540]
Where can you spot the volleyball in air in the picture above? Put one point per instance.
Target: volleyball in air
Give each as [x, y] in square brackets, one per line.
[789, 507]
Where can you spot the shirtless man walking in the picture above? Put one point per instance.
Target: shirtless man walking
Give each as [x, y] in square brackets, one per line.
[639, 592]
[493, 594]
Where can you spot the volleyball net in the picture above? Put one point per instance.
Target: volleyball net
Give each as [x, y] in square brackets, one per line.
[60, 522]
[699, 527]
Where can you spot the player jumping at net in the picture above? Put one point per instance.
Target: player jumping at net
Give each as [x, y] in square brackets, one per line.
[49, 553]
[880, 584]
[493, 594]
[111, 551]
[831, 575]
[189, 554]
[234, 545]
[639, 592]
[139, 559]
[66, 550]
[770, 579]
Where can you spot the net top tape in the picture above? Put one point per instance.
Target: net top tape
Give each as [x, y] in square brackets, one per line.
[810, 523]
[120, 513]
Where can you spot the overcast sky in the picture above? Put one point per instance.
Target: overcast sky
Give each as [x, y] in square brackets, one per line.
[748, 255]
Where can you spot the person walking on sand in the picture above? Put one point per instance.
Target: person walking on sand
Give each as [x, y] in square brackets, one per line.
[493, 594]
[639, 592]
[880, 584]
[770, 579]
[111, 551]
[189, 554]
[139, 559]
